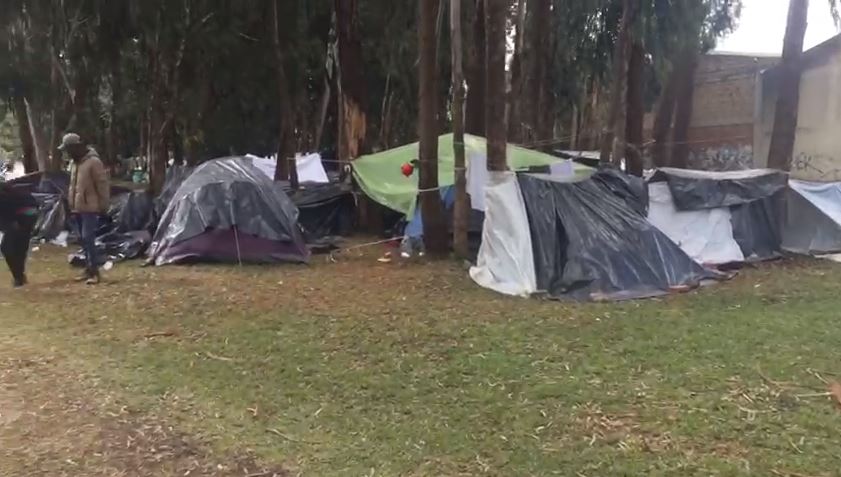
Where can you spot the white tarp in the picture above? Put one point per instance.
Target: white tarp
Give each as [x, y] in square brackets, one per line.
[477, 177]
[505, 262]
[310, 168]
[705, 235]
[826, 196]
[15, 170]
[812, 222]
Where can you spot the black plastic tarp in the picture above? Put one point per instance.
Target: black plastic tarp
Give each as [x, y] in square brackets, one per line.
[116, 247]
[175, 176]
[589, 244]
[696, 190]
[324, 209]
[132, 211]
[631, 189]
[234, 200]
[755, 199]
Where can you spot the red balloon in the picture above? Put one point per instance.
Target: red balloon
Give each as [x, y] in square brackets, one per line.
[407, 169]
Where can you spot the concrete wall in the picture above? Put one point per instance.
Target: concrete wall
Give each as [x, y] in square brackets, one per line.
[817, 147]
[721, 132]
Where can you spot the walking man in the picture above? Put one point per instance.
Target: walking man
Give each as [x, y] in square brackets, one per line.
[88, 198]
[18, 214]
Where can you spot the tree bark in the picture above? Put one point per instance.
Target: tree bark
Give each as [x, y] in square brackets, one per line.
[476, 76]
[30, 162]
[539, 59]
[613, 136]
[323, 107]
[684, 106]
[788, 96]
[636, 110]
[41, 145]
[432, 210]
[286, 166]
[514, 112]
[461, 208]
[351, 80]
[661, 151]
[495, 12]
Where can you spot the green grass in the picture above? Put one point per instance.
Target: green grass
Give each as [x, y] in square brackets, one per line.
[370, 369]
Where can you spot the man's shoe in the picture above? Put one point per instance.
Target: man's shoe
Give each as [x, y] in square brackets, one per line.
[92, 280]
[85, 276]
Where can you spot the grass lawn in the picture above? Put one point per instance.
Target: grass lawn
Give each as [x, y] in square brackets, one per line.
[359, 368]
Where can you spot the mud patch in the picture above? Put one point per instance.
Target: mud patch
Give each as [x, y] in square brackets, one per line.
[54, 422]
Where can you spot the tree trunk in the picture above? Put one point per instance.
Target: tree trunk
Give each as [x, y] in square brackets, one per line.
[30, 162]
[112, 131]
[286, 141]
[636, 110]
[41, 145]
[323, 107]
[351, 80]
[176, 145]
[383, 113]
[537, 65]
[573, 128]
[476, 76]
[514, 112]
[613, 137]
[432, 210]
[142, 140]
[683, 108]
[157, 150]
[495, 12]
[661, 151]
[461, 208]
[788, 96]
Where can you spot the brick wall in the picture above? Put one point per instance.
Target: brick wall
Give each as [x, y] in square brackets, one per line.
[724, 104]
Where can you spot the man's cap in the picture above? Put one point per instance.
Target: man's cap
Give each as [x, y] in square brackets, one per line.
[70, 139]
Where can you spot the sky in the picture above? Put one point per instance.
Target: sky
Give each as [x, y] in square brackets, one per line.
[763, 24]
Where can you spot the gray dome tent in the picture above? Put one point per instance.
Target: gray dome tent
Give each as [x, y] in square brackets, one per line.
[227, 210]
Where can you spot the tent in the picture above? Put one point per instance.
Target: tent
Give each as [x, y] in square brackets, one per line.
[379, 175]
[324, 209]
[577, 238]
[719, 217]
[228, 210]
[812, 218]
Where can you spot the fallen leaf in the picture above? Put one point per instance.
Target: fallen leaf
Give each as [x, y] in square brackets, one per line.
[835, 390]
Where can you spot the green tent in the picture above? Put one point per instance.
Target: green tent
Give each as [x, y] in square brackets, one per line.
[380, 177]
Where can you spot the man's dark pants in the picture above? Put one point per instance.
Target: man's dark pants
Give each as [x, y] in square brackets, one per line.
[86, 225]
[15, 245]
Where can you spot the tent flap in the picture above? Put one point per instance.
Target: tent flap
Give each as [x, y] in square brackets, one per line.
[812, 219]
[505, 262]
[589, 244]
[705, 235]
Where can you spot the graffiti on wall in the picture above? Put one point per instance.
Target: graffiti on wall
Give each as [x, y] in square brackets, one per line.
[721, 158]
[816, 167]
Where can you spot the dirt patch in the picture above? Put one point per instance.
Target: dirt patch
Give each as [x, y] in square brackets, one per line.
[11, 409]
[54, 422]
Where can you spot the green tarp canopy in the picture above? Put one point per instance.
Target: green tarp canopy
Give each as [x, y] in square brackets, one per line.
[380, 177]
